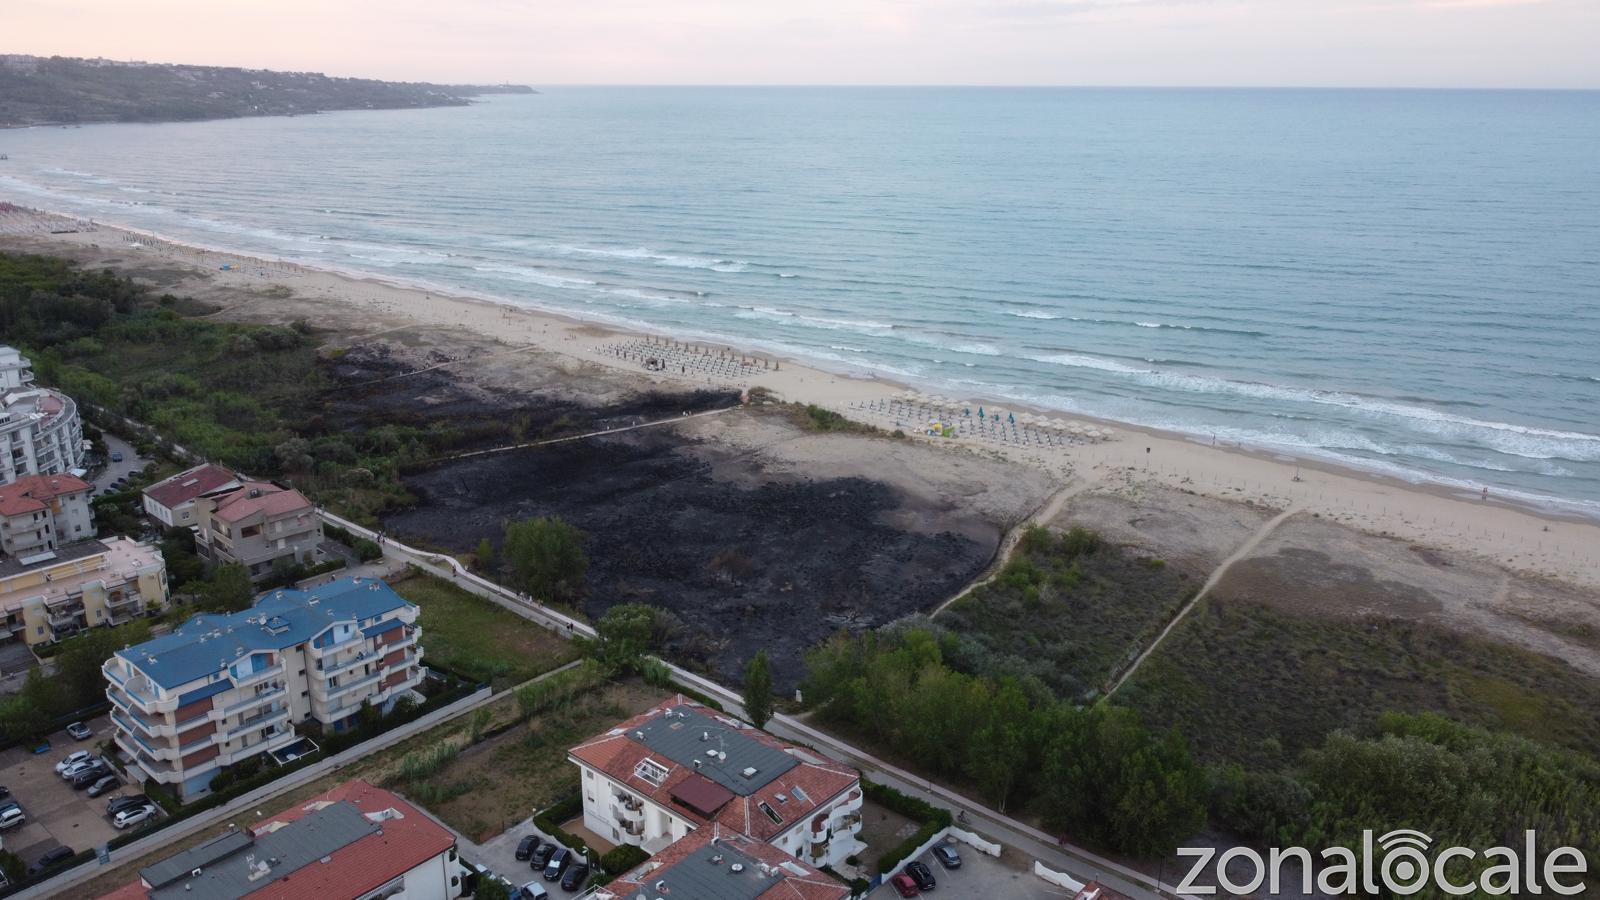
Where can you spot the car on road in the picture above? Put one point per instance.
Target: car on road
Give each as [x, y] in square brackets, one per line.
[575, 877]
[51, 858]
[557, 866]
[526, 846]
[541, 856]
[921, 874]
[947, 856]
[11, 816]
[533, 890]
[133, 815]
[904, 885]
[89, 776]
[71, 759]
[79, 731]
[106, 783]
[118, 804]
[116, 456]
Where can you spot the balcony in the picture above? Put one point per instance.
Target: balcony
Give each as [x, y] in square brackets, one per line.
[258, 721]
[122, 598]
[277, 690]
[365, 656]
[259, 675]
[347, 687]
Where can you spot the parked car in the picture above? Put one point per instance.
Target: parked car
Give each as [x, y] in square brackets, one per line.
[921, 874]
[526, 846]
[50, 858]
[133, 816]
[533, 890]
[947, 856]
[116, 456]
[72, 759]
[78, 768]
[904, 885]
[575, 877]
[4, 792]
[118, 804]
[557, 866]
[79, 731]
[106, 783]
[11, 816]
[541, 856]
[89, 776]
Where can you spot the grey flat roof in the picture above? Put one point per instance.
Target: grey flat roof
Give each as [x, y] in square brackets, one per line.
[684, 735]
[696, 876]
[226, 876]
[13, 566]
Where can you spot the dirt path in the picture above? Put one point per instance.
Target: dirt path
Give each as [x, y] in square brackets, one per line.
[1244, 550]
[1041, 516]
[588, 434]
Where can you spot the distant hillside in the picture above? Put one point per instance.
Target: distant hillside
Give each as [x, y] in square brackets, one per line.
[58, 90]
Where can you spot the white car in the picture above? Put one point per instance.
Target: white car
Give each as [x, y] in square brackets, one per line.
[82, 765]
[81, 756]
[11, 816]
[130, 817]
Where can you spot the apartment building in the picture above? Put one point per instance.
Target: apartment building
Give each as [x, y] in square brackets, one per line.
[355, 841]
[715, 862]
[40, 433]
[50, 594]
[681, 766]
[220, 689]
[255, 525]
[172, 501]
[43, 512]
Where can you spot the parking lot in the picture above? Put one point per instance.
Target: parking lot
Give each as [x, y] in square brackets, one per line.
[56, 814]
[981, 878]
[131, 462]
[499, 854]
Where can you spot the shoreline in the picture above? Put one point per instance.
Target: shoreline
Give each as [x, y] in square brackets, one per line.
[1521, 535]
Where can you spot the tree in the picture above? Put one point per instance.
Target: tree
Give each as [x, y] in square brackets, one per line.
[79, 661]
[227, 590]
[758, 689]
[490, 887]
[484, 554]
[546, 558]
[622, 637]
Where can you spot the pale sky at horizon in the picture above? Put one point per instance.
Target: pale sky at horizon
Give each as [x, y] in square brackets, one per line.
[1326, 43]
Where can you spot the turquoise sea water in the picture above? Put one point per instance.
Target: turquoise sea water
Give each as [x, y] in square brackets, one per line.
[1408, 281]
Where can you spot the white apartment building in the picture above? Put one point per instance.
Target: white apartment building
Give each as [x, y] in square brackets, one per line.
[221, 689]
[40, 433]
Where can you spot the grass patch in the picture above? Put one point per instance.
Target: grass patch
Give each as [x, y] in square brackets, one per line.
[1066, 610]
[1257, 685]
[469, 635]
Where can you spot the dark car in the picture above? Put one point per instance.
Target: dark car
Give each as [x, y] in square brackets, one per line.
[118, 804]
[50, 858]
[904, 885]
[557, 866]
[107, 783]
[575, 877]
[921, 874]
[947, 856]
[89, 776]
[541, 856]
[116, 456]
[526, 846]
[4, 792]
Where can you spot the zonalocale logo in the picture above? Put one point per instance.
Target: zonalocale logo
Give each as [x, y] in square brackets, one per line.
[1398, 862]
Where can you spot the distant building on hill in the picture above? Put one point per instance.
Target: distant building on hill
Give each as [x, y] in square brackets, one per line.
[49, 594]
[221, 689]
[355, 841]
[40, 432]
[43, 512]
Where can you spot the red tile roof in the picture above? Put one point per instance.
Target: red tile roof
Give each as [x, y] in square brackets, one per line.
[617, 754]
[186, 486]
[268, 499]
[798, 881]
[31, 493]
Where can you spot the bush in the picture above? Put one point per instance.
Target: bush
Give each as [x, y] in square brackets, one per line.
[622, 858]
[367, 550]
[934, 819]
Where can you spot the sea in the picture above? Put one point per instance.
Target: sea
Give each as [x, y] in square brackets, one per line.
[1407, 282]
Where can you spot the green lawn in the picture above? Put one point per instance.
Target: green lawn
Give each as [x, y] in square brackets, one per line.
[469, 635]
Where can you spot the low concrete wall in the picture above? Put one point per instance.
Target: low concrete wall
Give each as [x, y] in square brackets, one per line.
[1059, 879]
[975, 842]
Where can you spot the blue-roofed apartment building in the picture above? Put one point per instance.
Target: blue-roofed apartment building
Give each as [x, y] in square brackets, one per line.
[220, 689]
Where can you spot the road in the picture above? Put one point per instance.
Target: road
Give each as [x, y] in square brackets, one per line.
[131, 462]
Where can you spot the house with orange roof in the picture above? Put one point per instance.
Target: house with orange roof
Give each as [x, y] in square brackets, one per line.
[354, 841]
[256, 525]
[44, 512]
[681, 766]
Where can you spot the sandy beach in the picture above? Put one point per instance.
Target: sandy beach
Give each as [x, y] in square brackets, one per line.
[1078, 454]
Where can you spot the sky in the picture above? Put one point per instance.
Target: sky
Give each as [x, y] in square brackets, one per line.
[1325, 43]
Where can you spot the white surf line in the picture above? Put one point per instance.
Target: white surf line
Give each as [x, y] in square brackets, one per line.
[1244, 550]
[578, 437]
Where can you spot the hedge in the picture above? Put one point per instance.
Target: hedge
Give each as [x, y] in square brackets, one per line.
[620, 859]
[549, 821]
[934, 819]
